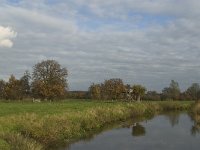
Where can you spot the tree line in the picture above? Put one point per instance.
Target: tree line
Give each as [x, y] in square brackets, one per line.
[173, 92]
[115, 89]
[48, 81]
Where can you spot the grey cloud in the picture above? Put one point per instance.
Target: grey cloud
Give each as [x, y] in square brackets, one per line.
[151, 56]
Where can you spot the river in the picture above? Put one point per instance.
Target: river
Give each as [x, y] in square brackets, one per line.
[171, 131]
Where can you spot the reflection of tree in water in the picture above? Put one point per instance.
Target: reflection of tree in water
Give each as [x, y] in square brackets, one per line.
[195, 117]
[138, 130]
[195, 129]
[173, 118]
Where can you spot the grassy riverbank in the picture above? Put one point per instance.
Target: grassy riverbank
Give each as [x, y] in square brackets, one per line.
[36, 126]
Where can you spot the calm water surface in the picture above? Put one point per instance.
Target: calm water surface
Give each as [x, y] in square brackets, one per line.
[163, 132]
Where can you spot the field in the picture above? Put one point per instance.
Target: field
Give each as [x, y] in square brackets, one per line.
[36, 126]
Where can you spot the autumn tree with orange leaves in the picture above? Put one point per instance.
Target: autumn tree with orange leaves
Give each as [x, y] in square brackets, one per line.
[12, 89]
[49, 80]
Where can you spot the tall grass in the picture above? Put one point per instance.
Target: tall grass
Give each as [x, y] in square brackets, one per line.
[34, 130]
[4, 145]
[19, 142]
[195, 108]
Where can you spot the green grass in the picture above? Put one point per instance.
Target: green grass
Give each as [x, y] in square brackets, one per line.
[47, 108]
[37, 126]
[4, 145]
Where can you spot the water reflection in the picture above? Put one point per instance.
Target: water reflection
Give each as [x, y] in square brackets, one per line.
[195, 117]
[173, 118]
[195, 129]
[166, 131]
[138, 130]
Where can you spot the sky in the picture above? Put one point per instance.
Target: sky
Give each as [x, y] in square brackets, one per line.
[147, 42]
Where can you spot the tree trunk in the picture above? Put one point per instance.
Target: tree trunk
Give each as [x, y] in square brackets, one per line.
[138, 98]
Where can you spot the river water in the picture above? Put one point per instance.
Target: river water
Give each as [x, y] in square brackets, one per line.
[173, 131]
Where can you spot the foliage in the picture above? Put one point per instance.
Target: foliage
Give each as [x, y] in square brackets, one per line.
[114, 89]
[95, 91]
[15, 89]
[77, 95]
[2, 88]
[12, 89]
[194, 91]
[152, 96]
[171, 92]
[49, 80]
[25, 84]
[138, 91]
[111, 89]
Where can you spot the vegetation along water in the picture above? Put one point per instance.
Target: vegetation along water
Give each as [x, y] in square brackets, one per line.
[36, 126]
[168, 131]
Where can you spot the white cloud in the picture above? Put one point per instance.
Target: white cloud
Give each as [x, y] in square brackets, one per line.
[6, 34]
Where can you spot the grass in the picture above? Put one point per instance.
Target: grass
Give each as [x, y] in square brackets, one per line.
[37, 126]
[195, 109]
[4, 145]
[46, 108]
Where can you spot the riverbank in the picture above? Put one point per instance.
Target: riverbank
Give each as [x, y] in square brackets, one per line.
[45, 125]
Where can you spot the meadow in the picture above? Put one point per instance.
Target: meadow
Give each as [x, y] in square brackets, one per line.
[37, 126]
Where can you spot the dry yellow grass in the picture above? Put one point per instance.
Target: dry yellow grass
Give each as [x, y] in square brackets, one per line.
[36, 130]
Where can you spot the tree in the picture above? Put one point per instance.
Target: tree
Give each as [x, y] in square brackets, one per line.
[175, 90]
[166, 93]
[95, 91]
[171, 92]
[194, 91]
[128, 92]
[25, 84]
[13, 89]
[78, 95]
[49, 80]
[152, 95]
[185, 96]
[138, 91]
[113, 89]
[2, 88]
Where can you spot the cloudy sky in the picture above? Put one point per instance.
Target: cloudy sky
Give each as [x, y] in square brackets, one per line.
[141, 41]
